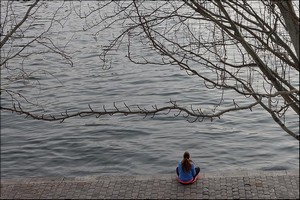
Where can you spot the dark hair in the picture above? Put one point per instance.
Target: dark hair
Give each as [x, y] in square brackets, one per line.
[186, 165]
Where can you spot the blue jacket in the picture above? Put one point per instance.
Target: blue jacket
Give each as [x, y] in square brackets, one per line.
[186, 176]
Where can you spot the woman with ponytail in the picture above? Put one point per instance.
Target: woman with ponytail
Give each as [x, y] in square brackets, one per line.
[186, 170]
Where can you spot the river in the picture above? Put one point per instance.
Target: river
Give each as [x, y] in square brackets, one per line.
[127, 144]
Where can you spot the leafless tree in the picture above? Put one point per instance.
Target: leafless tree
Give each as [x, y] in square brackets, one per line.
[249, 47]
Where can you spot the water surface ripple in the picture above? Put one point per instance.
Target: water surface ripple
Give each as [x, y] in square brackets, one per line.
[131, 144]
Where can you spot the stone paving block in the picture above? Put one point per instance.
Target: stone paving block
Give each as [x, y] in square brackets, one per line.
[240, 185]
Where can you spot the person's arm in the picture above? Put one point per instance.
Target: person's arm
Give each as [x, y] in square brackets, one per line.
[193, 170]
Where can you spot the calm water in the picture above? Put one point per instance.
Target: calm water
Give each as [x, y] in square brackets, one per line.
[131, 144]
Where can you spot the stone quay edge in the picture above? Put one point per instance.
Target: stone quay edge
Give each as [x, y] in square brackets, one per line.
[235, 184]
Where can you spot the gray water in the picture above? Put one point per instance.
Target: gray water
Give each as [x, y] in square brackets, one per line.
[129, 144]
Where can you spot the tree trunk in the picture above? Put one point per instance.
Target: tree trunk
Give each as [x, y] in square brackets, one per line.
[291, 20]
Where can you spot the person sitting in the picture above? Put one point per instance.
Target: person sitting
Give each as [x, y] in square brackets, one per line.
[186, 171]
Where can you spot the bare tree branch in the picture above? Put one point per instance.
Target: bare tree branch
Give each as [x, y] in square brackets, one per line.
[250, 48]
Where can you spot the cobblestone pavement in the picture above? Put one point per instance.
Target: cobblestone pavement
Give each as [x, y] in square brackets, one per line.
[210, 185]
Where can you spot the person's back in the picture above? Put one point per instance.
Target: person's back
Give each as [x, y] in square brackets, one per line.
[186, 170]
